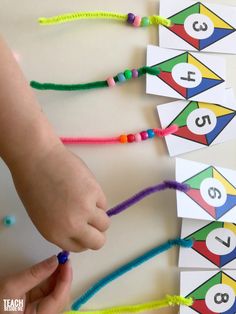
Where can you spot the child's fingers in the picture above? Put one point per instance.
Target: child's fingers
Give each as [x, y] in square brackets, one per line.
[92, 238]
[102, 202]
[99, 220]
[58, 298]
[33, 276]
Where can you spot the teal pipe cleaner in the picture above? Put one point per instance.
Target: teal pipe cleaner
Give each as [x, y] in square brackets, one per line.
[127, 267]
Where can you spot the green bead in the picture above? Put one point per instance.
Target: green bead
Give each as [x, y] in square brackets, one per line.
[145, 21]
[128, 74]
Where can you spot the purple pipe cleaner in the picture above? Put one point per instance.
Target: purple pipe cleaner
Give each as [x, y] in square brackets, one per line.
[144, 193]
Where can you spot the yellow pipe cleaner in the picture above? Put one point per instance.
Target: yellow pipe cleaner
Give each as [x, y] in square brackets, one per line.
[69, 17]
[138, 308]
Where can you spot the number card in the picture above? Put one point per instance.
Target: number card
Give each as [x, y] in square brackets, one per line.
[214, 244]
[198, 26]
[200, 124]
[185, 75]
[213, 292]
[212, 192]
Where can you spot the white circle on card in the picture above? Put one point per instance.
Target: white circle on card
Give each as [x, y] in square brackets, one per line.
[213, 192]
[220, 298]
[221, 241]
[186, 75]
[199, 26]
[201, 121]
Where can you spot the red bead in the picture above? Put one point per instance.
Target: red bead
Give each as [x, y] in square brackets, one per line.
[144, 135]
[131, 138]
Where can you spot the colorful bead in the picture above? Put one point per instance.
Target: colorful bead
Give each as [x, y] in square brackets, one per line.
[9, 221]
[123, 139]
[131, 138]
[121, 77]
[144, 135]
[131, 18]
[128, 74]
[138, 137]
[134, 73]
[145, 21]
[137, 21]
[151, 133]
[111, 82]
[63, 257]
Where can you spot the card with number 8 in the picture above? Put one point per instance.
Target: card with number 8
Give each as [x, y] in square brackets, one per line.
[213, 292]
[198, 26]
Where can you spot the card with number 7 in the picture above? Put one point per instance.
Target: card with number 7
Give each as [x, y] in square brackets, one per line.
[200, 124]
[214, 244]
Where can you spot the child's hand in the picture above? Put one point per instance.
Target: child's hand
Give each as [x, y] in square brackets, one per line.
[44, 288]
[63, 199]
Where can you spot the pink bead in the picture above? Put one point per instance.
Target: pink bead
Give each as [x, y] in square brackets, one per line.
[138, 137]
[144, 135]
[137, 21]
[111, 82]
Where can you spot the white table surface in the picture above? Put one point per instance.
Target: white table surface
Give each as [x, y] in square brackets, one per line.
[86, 51]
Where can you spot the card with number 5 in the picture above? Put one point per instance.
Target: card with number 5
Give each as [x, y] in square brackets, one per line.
[214, 244]
[213, 292]
[185, 75]
[200, 124]
[198, 26]
[211, 194]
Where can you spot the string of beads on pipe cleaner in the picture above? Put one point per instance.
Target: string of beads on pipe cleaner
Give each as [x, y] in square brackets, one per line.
[129, 18]
[122, 139]
[139, 308]
[95, 288]
[119, 208]
[110, 82]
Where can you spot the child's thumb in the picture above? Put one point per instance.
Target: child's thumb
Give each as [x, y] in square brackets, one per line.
[31, 277]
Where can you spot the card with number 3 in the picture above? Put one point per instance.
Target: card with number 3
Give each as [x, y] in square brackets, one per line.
[198, 26]
[211, 194]
[200, 124]
[185, 75]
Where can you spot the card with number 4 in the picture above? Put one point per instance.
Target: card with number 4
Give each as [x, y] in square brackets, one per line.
[198, 26]
[211, 194]
[213, 292]
[214, 244]
[185, 75]
[200, 124]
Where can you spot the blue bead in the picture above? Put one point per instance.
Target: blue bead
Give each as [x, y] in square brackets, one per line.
[63, 257]
[151, 133]
[121, 77]
[9, 220]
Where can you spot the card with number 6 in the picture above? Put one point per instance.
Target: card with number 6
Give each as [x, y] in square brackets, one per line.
[214, 244]
[211, 194]
[198, 26]
[200, 124]
[185, 75]
[213, 292]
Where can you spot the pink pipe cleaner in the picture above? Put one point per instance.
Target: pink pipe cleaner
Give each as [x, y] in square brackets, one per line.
[123, 139]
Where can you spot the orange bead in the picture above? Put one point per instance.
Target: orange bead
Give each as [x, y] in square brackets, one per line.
[123, 139]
